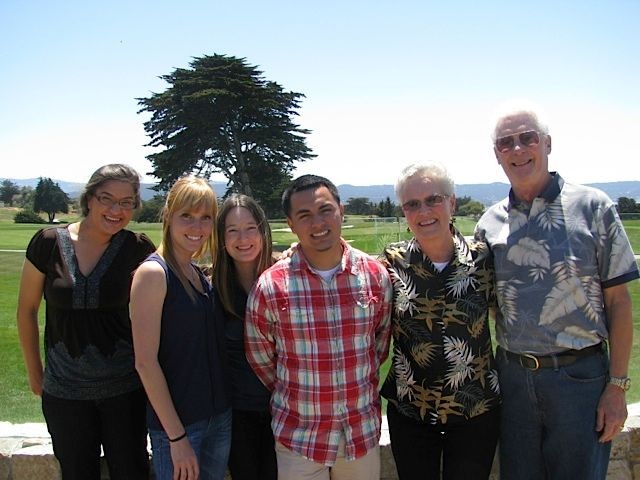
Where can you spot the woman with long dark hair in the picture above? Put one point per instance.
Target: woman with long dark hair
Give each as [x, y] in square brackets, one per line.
[244, 253]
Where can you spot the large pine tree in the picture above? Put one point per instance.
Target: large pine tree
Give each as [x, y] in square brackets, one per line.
[222, 115]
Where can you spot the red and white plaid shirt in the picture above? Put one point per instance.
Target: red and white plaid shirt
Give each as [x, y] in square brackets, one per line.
[318, 346]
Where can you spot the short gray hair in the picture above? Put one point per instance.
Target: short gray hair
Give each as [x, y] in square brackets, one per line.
[519, 107]
[431, 170]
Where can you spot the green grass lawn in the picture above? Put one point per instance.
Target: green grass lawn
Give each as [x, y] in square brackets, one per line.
[19, 405]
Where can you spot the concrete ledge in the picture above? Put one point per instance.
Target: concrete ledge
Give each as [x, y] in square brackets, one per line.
[26, 453]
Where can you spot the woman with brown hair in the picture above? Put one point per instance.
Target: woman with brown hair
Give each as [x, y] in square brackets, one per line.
[91, 393]
[245, 252]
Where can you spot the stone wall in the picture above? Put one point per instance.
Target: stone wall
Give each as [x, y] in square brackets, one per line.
[26, 453]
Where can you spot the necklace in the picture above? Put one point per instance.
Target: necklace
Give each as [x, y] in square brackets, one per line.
[191, 275]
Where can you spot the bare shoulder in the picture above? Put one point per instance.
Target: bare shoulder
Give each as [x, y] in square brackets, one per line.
[149, 274]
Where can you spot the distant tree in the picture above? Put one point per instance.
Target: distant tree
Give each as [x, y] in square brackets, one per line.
[50, 198]
[389, 208]
[386, 208]
[24, 199]
[222, 115]
[8, 190]
[461, 202]
[358, 206]
[151, 210]
[472, 208]
[627, 205]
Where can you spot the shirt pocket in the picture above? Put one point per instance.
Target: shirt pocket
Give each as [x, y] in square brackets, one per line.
[359, 317]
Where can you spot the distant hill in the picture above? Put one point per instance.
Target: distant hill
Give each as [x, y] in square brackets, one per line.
[74, 189]
[487, 193]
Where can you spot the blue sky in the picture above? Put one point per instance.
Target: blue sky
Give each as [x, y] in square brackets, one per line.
[386, 83]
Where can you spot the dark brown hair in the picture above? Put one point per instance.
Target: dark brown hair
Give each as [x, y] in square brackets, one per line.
[224, 269]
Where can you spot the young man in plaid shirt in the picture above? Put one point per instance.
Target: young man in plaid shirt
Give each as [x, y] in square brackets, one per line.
[317, 331]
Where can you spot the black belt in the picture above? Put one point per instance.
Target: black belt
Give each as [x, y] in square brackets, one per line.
[555, 360]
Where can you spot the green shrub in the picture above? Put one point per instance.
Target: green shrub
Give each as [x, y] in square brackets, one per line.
[27, 216]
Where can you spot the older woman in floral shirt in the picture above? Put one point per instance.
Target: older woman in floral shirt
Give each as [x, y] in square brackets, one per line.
[443, 392]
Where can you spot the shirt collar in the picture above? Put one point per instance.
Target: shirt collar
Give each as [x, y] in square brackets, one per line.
[461, 250]
[549, 193]
[299, 261]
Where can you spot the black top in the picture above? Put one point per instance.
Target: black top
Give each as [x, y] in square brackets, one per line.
[87, 339]
[248, 392]
[191, 351]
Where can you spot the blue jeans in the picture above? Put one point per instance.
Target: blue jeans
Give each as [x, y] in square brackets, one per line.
[210, 440]
[548, 421]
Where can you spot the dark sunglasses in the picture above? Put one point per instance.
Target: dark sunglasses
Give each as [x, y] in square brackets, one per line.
[529, 138]
[430, 201]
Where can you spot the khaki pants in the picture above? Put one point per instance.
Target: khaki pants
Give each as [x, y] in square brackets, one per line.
[293, 466]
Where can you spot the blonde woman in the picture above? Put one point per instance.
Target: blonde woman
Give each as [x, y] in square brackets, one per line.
[178, 334]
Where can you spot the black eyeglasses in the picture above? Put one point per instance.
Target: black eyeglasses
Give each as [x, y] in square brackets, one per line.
[507, 143]
[125, 204]
[431, 201]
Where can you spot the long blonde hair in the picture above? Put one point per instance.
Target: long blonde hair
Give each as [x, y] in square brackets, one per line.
[191, 193]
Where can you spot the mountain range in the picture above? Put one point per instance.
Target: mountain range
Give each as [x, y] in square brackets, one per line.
[486, 193]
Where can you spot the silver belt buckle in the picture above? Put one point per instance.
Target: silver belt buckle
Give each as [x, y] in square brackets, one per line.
[532, 357]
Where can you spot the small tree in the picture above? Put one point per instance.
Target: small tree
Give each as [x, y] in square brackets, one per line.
[472, 208]
[151, 210]
[50, 198]
[386, 208]
[461, 202]
[8, 190]
[627, 205]
[24, 199]
[358, 206]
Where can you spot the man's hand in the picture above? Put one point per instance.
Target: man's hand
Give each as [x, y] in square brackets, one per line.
[611, 414]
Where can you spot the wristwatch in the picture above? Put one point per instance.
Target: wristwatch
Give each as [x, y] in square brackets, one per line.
[623, 382]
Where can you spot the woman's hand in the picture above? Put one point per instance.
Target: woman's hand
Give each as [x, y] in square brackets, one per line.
[35, 382]
[185, 462]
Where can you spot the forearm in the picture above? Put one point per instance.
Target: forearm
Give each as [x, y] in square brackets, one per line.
[155, 385]
[619, 315]
[29, 335]
[29, 298]
[264, 366]
[259, 347]
[620, 344]
[383, 340]
[383, 332]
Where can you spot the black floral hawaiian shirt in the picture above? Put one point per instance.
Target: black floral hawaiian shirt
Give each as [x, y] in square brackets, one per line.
[443, 368]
